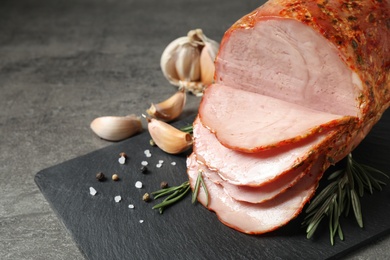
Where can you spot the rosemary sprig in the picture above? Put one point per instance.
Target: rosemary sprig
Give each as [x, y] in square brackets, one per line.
[199, 182]
[188, 129]
[176, 193]
[344, 192]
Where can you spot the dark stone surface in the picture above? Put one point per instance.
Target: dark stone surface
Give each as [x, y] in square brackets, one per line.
[63, 63]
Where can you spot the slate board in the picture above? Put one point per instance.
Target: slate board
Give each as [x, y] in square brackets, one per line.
[104, 229]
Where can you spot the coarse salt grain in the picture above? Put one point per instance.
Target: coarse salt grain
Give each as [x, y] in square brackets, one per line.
[144, 163]
[141, 221]
[161, 161]
[117, 198]
[173, 163]
[131, 206]
[158, 165]
[122, 160]
[147, 153]
[138, 184]
[92, 191]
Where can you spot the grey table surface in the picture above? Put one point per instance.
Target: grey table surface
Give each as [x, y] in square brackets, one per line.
[64, 63]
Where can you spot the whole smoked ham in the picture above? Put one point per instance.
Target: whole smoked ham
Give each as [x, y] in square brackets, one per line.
[297, 84]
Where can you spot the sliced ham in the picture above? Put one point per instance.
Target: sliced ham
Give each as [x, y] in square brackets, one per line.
[257, 218]
[255, 169]
[290, 75]
[248, 193]
[250, 122]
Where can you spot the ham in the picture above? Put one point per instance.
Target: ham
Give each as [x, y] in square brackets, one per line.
[253, 218]
[298, 85]
[254, 169]
[248, 193]
[265, 122]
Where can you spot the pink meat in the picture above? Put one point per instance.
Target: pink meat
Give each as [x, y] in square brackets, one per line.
[258, 218]
[247, 193]
[250, 122]
[254, 169]
[286, 74]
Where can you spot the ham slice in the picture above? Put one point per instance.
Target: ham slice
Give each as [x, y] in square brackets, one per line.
[248, 193]
[297, 84]
[257, 218]
[250, 122]
[254, 169]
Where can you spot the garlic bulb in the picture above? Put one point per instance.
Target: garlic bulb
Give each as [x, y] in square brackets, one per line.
[168, 138]
[188, 61]
[170, 108]
[115, 128]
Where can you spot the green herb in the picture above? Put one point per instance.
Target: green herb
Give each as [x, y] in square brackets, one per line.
[199, 182]
[176, 193]
[339, 196]
[188, 129]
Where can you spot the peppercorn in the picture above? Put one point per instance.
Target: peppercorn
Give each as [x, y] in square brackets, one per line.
[115, 177]
[144, 169]
[146, 197]
[100, 176]
[163, 185]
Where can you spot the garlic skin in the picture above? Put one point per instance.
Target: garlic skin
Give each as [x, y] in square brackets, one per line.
[170, 108]
[114, 128]
[188, 61]
[168, 138]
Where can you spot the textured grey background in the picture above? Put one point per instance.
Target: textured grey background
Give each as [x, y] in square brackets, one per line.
[65, 62]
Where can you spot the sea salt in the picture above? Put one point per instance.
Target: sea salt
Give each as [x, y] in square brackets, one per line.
[173, 163]
[138, 184]
[122, 160]
[117, 198]
[144, 163]
[141, 221]
[147, 153]
[161, 161]
[92, 191]
[158, 165]
[131, 206]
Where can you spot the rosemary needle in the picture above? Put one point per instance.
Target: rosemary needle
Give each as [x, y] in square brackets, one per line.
[344, 192]
[176, 193]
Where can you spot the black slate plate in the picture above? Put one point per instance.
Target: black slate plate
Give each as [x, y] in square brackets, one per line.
[104, 229]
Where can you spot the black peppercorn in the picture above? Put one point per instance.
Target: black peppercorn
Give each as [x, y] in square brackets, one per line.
[100, 176]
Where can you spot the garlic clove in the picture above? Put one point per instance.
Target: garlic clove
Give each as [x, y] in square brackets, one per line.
[115, 128]
[207, 67]
[188, 63]
[168, 138]
[168, 60]
[170, 108]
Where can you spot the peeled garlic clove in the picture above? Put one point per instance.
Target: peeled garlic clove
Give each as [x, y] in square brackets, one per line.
[115, 128]
[170, 108]
[168, 138]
